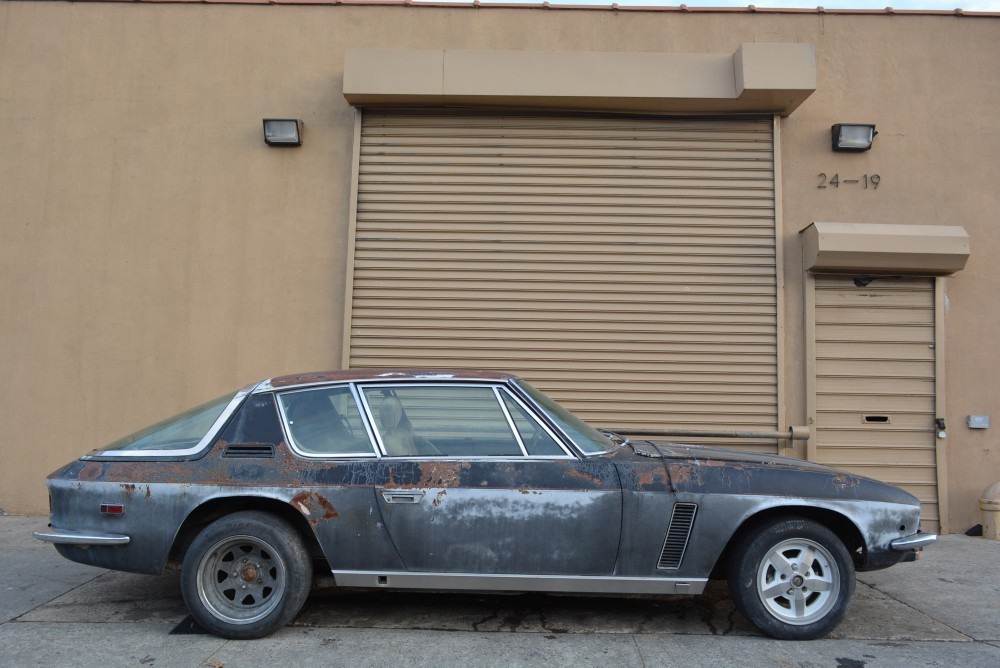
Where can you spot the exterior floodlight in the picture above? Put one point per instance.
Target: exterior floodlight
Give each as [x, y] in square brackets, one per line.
[283, 131]
[853, 136]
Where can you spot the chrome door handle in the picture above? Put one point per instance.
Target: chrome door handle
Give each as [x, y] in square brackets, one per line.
[402, 497]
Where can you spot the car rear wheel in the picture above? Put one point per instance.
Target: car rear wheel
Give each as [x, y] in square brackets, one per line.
[793, 579]
[246, 575]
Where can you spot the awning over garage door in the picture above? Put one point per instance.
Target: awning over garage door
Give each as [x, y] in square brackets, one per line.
[925, 250]
[758, 78]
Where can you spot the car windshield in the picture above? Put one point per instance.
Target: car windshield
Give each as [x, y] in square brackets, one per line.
[176, 433]
[589, 440]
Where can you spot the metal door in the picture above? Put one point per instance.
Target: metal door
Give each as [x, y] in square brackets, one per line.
[875, 382]
[579, 251]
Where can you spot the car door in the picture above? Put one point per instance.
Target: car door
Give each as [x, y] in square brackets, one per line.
[471, 482]
[334, 491]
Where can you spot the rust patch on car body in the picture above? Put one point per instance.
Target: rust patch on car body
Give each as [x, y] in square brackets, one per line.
[91, 471]
[428, 474]
[844, 481]
[576, 473]
[845, 484]
[651, 478]
[303, 502]
[681, 473]
[442, 474]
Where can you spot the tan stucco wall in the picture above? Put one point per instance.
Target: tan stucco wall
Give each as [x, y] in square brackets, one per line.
[154, 252]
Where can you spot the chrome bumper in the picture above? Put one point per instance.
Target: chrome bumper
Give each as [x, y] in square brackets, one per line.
[917, 541]
[70, 537]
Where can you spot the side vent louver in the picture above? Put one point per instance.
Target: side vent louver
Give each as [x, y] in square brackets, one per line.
[249, 451]
[678, 534]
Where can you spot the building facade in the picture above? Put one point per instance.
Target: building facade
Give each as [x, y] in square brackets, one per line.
[638, 210]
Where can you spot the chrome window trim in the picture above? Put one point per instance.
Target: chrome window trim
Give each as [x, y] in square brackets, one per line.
[207, 439]
[510, 420]
[285, 425]
[370, 420]
[478, 458]
[583, 453]
[385, 377]
[532, 414]
[593, 584]
[493, 384]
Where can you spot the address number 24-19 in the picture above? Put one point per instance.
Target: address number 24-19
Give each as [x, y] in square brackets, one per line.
[868, 181]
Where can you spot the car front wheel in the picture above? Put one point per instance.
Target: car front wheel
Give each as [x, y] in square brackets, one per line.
[793, 579]
[246, 575]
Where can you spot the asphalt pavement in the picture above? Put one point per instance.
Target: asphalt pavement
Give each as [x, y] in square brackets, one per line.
[943, 610]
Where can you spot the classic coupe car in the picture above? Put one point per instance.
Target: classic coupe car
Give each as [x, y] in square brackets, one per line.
[463, 481]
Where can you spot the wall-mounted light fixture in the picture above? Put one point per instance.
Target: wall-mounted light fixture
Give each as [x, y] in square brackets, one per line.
[853, 136]
[283, 131]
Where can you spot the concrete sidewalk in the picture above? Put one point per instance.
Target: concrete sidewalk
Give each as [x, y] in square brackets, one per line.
[943, 610]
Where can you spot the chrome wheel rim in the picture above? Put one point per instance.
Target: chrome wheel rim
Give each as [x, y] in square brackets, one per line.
[798, 581]
[241, 579]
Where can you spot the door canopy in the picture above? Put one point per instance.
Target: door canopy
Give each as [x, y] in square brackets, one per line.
[924, 250]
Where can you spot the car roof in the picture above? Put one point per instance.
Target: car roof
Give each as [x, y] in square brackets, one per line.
[378, 375]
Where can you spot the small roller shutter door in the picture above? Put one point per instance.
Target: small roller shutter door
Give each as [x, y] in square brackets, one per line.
[626, 266]
[875, 382]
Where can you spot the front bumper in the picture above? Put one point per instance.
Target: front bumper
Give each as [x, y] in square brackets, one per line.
[917, 541]
[70, 537]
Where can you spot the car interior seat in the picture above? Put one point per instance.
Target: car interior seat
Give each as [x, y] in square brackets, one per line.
[397, 431]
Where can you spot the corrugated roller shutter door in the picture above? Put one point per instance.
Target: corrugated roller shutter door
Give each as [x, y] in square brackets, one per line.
[875, 382]
[624, 265]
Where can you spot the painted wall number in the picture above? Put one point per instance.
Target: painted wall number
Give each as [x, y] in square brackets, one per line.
[867, 180]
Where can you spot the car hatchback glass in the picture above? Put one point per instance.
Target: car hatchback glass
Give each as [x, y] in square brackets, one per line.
[175, 433]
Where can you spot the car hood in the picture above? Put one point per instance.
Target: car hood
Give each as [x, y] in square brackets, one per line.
[704, 453]
[699, 469]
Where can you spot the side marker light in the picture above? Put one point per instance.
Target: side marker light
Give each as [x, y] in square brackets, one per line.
[112, 509]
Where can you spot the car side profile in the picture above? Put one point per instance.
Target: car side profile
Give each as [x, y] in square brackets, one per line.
[459, 480]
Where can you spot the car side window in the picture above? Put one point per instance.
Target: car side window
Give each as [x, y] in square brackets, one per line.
[436, 420]
[537, 441]
[325, 422]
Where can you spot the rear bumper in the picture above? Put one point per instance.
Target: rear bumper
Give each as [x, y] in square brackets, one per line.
[70, 537]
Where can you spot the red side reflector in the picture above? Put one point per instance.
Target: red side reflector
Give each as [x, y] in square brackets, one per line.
[112, 509]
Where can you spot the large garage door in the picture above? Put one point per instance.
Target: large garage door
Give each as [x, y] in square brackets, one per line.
[624, 265]
[875, 382]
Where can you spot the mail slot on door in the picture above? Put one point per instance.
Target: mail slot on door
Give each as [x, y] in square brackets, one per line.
[877, 419]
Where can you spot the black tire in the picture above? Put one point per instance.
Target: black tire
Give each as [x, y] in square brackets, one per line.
[791, 578]
[246, 575]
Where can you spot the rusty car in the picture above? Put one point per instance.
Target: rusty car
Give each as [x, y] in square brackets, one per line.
[459, 480]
